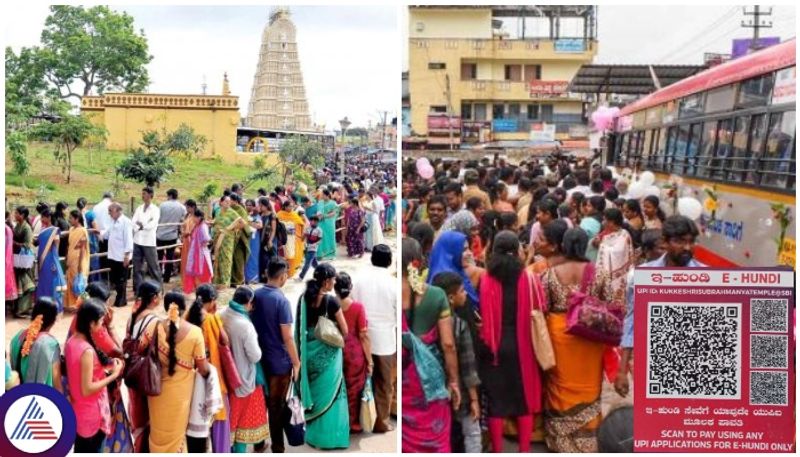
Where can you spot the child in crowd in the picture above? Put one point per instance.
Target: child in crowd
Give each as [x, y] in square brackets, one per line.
[468, 414]
[312, 235]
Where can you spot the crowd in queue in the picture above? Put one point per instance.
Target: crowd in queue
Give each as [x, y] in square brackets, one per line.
[226, 371]
[517, 298]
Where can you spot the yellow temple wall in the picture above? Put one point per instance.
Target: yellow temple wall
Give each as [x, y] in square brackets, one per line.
[126, 116]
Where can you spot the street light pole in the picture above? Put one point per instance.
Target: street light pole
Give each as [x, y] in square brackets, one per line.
[344, 123]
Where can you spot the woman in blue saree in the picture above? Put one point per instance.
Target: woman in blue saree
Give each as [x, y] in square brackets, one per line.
[94, 262]
[322, 386]
[52, 282]
[328, 211]
[252, 267]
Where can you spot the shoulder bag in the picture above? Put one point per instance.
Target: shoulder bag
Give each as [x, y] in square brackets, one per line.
[131, 351]
[145, 371]
[229, 370]
[368, 414]
[591, 318]
[540, 335]
[327, 331]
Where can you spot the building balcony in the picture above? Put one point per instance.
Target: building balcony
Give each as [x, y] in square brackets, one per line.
[573, 49]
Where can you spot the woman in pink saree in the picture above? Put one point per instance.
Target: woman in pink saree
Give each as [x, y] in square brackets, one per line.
[11, 280]
[430, 366]
[198, 269]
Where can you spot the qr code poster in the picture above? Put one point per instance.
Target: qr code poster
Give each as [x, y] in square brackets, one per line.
[714, 360]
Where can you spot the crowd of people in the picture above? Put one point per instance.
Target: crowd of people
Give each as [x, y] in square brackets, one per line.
[488, 246]
[227, 369]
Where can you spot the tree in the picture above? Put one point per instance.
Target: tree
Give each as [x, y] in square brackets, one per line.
[26, 87]
[298, 151]
[151, 163]
[17, 147]
[67, 133]
[96, 47]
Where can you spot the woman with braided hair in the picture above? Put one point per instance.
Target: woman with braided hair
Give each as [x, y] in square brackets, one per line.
[181, 350]
[35, 353]
[86, 366]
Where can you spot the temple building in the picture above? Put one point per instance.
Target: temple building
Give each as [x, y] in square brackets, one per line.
[278, 98]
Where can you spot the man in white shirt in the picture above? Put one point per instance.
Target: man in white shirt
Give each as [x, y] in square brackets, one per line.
[376, 289]
[103, 221]
[145, 223]
[118, 236]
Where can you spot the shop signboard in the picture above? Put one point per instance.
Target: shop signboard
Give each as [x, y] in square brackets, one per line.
[540, 88]
[570, 45]
[785, 88]
[543, 132]
[741, 46]
[504, 125]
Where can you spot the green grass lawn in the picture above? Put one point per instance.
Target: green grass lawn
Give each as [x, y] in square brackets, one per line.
[90, 180]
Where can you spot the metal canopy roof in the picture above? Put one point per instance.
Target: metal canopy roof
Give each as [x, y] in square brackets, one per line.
[629, 79]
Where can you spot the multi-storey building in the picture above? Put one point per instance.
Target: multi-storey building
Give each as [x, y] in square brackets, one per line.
[472, 79]
[278, 99]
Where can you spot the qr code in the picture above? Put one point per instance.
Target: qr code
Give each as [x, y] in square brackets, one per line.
[769, 351]
[769, 388]
[694, 350]
[769, 315]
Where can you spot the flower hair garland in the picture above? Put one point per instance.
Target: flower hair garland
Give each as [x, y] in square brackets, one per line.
[414, 278]
[33, 332]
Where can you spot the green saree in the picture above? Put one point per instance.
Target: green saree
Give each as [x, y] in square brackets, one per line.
[327, 246]
[36, 367]
[224, 242]
[322, 390]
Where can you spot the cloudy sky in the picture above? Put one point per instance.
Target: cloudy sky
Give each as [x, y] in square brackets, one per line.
[673, 34]
[349, 54]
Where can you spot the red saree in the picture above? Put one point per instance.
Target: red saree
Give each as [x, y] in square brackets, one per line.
[355, 361]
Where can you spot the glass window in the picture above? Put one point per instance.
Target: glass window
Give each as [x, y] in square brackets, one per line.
[547, 113]
[694, 146]
[513, 72]
[480, 111]
[436, 66]
[622, 160]
[758, 134]
[658, 155]
[513, 110]
[533, 72]
[777, 158]
[706, 153]
[672, 136]
[681, 143]
[724, 148]
[646, 145]
[533, 111]
[755, 91]
[466, 111]
[720, 99]
[469, 71]
[498, 111]
[691, 105]
[737, 164]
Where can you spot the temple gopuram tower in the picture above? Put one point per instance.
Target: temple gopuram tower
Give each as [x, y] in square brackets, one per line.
[278, 99]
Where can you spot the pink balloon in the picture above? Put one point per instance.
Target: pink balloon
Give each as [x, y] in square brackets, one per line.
[425, 172]
[603, 117]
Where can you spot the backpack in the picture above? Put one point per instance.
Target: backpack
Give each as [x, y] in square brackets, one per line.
[280, 233]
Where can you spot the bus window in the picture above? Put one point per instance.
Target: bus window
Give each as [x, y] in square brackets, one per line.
[681, 143]
[647, 144]
[653, 149]
[691, 151]
[755, 91]
[775, 162]
[739, 152]
[622, 158]
[661, 148]
[723, 150]
[758, 133]
[669, 153]
[636, 149]
[705, 158]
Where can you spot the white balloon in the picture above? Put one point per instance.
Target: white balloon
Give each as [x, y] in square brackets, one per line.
[690, 207]
[652, 190]
[636, 190]
[647, 178]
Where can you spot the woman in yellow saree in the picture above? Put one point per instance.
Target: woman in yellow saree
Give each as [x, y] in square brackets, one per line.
[77, 257]
[293, 252]
[181, 350]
